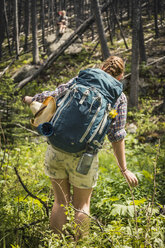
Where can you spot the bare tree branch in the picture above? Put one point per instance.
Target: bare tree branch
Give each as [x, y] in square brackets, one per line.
[26, 225]
[19, 125]
[31, 194]
[95, 220]
[156, 60]
[153, 196]
[151, 63]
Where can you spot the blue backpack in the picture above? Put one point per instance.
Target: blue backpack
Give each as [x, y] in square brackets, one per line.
[82, 120]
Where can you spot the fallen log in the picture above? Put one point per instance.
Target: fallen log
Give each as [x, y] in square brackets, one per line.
[148, 64]
[73, 37]
[155, 61]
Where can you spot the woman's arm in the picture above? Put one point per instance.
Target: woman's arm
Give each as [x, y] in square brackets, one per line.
[40, 97]
[119, 151]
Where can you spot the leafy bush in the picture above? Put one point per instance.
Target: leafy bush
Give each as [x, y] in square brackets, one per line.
[113, 220]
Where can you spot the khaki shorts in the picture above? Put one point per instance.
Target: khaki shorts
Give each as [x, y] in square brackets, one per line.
[59, 165]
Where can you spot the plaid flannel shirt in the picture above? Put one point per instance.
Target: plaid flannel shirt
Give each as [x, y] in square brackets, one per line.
[116, 131]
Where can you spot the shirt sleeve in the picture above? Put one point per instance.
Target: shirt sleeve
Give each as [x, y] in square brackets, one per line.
[116, 130]
[40, 97]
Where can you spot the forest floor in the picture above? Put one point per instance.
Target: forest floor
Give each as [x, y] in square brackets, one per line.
[54, 41]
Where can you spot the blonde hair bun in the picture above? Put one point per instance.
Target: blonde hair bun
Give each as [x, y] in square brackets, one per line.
[113, 65]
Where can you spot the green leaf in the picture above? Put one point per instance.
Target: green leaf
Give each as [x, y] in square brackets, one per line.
[147, 175]
[138, 202]
[122, 210]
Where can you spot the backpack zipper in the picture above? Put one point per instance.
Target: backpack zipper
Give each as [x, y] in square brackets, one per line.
[91, 123]
[96, 130]
[101, 125]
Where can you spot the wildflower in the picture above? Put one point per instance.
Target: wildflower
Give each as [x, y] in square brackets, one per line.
[113, 113]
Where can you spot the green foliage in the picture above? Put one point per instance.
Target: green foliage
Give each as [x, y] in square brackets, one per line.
[111, 203]
[144, 69]
[147, 122]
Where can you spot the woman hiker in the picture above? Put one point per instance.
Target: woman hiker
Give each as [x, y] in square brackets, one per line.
[62, 22]
[61, 167]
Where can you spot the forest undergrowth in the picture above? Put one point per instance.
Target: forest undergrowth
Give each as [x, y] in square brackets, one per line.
[120, 216]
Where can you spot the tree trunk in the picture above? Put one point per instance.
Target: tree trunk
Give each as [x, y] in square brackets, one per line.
[162, 10]
[49, 22]
[118, 23]
[149, 9]
[142, 49]
[7, 28]
[133, 101]
[52, 16]
[131, 12]
[163, 105]
[34, 33]
[113, 22]
[156, 18]
[78, 12]
[109, 26]
[20, 3]
[43, 22]
[100, 28]
[121, 11]
[26, 24]
[128, 10]
[92, 28]
[16, 27]
[2, 26]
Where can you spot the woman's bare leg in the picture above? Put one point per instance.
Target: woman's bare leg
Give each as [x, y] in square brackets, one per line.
[81, 202]
[61, 189]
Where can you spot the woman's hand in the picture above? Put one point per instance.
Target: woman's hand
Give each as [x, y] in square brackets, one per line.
[119, 150]
[131, 178]
[27, 100]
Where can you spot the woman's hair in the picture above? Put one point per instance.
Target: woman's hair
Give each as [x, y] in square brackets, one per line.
[114, 66]
[64, 12]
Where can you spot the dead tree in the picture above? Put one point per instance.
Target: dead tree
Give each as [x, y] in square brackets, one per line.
[156, 18]
[100, 28]
[142, 49]
[16, 27]
[26, 23]
[2, 26]
[7, 28]
[118, 23]
[78, 4]
[43, 22]
[134, 84]
[109, 25]
[36, 59]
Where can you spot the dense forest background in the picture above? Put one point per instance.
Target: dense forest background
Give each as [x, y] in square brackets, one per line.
[33, 58]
